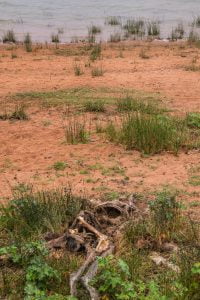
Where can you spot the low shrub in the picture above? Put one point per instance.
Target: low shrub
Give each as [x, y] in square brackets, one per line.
[9, 37]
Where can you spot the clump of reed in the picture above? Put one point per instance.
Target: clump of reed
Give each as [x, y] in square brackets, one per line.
[177, 32]
[76, 132]
[135, 27]
[55, 38]
[113, 21]
[28, 42]
[9, 37]
[153, 29]
[95, 52]
[94, 29]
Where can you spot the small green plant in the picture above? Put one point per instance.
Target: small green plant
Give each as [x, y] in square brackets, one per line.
[165, 214]
[75, 132]
[113, 279]
[60, 166]
[55, 38]
[78, 70]
[94, 106]
[193, 120]
[9, 37]
[28, 42]
[97, 72]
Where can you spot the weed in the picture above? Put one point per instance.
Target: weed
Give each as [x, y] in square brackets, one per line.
[75, 132]
[194, 180]
[9, 37]
[77, 70]
[60, 166]
[113, 21]
[94, 106]
[193, 36]
[113, 279]
[193, 120]
[97, 72]
[55, 38]
[28, 42]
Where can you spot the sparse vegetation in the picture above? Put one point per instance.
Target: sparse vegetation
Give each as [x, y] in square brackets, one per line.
[75, 132]
[9, 37]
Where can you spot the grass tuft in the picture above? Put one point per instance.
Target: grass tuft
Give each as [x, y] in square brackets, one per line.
[9, 37]
[75, 132]
[94, 106]
[28, 43]
[149, 134]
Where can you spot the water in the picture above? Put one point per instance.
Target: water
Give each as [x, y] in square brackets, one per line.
[43, 17]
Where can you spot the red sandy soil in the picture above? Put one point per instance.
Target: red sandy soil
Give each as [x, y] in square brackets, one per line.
[29, 149]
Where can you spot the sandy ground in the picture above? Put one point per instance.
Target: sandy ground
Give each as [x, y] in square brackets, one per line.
[29, 149]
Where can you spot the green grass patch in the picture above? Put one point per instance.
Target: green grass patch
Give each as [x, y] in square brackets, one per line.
[149, 134]
[60, 166]
[193, 120]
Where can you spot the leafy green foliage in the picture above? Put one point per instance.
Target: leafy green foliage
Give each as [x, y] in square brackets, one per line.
[112, 279]
[193, 120]
[60, 166]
